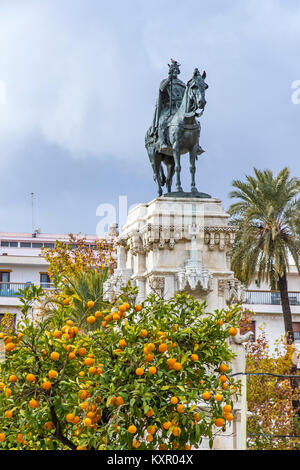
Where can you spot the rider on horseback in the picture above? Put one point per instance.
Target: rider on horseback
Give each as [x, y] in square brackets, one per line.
[171, 91]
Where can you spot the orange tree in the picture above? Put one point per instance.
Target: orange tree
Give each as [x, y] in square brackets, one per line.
[270, 398]
[154, 376]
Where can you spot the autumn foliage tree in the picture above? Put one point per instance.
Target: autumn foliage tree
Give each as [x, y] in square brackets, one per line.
[154, 376]
[270, 398]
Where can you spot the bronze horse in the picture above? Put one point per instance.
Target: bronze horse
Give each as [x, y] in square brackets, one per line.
[183, 133]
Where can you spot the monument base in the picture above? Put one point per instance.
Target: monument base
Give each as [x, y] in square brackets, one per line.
[183, 194]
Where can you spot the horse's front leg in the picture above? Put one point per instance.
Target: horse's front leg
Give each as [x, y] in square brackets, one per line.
[193, 155]
[176, 155]
[157, 171]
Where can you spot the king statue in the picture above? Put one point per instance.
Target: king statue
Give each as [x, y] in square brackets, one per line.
[175, 130]
[171, 91]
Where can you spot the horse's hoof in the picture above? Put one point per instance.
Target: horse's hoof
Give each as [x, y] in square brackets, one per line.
[159, 193]
[194, 189]
[179, 189]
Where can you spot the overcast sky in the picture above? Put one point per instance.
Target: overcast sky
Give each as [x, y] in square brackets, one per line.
[81, 78]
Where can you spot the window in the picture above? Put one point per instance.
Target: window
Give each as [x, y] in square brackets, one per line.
[49, 245]
[4, 282]
[13, 244]
[4, 276]
[25, 244]
[45, 280]
[296, 329]
[37, 245]
[4, 243]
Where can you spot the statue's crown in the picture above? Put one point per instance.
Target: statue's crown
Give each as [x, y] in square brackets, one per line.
[174, 64]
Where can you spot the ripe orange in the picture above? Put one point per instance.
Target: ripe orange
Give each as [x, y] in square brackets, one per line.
[219, 422]
[69, 418]
[30, 378]
[90, 304]
[54, 356]
[139, 371]
[233, 331]
[132, 429]
[122, 343]
[176, 431]
[2, 437]
[150, 413]
[197, 416]
[150, 347]
[149, 358]
[8, 414]
[167, 425]
[138, 308]
[89, 361]
[46, 385]
[187, 447]
[66, 301]
[194, 357]
[136, 444]
[76, 420]
[116, 317]
[13, 378]
[206, 395]
[7, 392]
[34, 403]
[48, 425]
[225, 386]
[220, 322]
[84, 405]
[174, 400]
[218, 397]
[119, 401]
[87, 422]
[103, 324]
[82, 351]
[52, 374]
[180, 408]
[223, 379]
[223, 368]
[152, 370]
[57, 334]
[227, 408]
[163, 347]
[151, 429]
[91, 319]
[144, 333]
[20, 438]
[72, 355]
[171, 362]
[149, 438]
[127, 306]
[177, 366]
[98, 314]
[228, 416]
[9, 347]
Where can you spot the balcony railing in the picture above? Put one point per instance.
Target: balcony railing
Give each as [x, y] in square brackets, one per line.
[266, 297]
[10, 289]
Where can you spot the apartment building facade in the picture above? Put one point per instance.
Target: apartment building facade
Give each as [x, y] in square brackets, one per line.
[22, 264]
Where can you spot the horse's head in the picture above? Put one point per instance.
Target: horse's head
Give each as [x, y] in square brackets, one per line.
[196, 91]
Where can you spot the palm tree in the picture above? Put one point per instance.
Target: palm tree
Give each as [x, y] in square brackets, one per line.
[267, 217]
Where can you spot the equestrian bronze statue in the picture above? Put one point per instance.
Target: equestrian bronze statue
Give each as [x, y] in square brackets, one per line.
[175, 129]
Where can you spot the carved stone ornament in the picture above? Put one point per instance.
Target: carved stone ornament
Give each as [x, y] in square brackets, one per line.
[232, 290]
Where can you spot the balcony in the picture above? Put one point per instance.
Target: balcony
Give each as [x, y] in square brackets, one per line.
[266, 297]
[10, 289]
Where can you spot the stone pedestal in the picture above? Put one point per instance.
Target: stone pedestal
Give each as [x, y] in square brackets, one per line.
[177, 244]
[182, 244]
